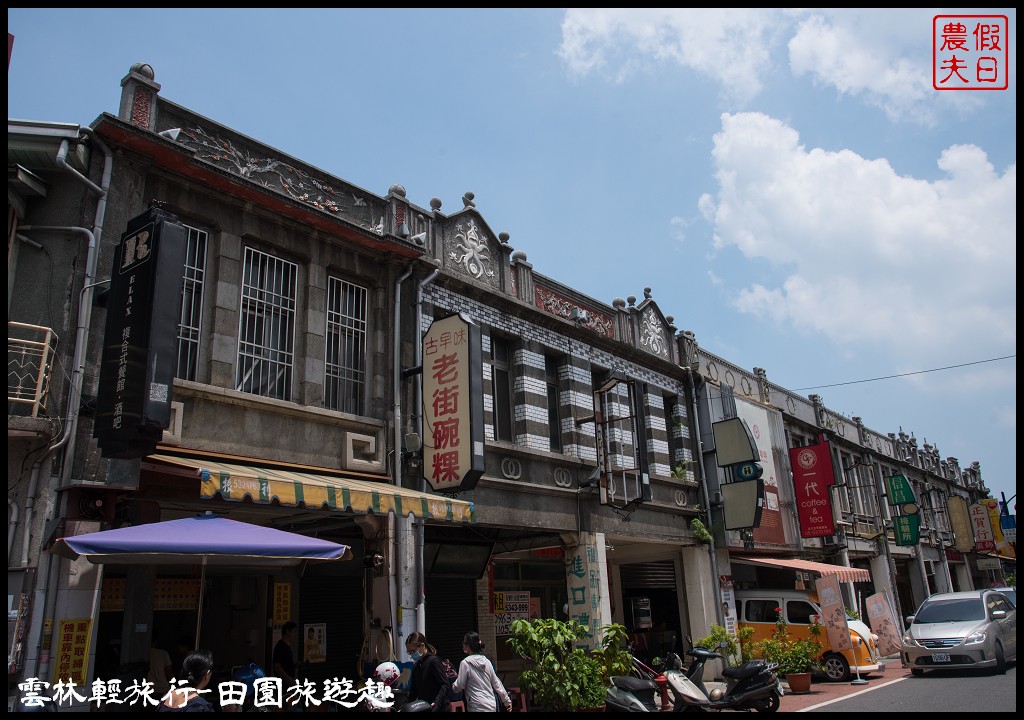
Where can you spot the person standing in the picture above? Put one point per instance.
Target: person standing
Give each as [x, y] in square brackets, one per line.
[160, 669]
[429, 681]
[284, 657]
[197, 671]
[478, 680]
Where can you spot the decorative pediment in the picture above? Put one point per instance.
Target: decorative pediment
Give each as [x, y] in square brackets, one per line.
[472, 249]
[654, 334]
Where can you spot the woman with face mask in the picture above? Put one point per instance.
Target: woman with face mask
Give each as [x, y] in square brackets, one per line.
[428, 682]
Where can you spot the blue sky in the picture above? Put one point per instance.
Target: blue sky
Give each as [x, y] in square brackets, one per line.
[787, 182]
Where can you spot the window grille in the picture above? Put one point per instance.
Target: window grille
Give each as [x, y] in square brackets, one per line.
[266, 326]
[345, 361]
[191, 319]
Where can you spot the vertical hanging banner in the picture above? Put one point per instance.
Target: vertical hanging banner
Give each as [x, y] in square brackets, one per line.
[981, 523]
[770, 527]
[907, 530]
[834, 612]
[883, 624]
[812, 478]
[960, 519]
[1002, 546]
[453, 405]
[139, 357]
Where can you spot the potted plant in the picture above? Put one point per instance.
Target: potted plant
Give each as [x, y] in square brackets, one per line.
[796, 658]
[563, 676]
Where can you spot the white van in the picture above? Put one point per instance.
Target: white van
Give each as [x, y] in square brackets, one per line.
[758, 609]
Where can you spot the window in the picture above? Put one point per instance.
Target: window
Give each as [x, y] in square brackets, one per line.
[800, 612]
[501, 367]
[266, 326]
[191, 319]
[345, 366]
[554, 411]
[762, 610]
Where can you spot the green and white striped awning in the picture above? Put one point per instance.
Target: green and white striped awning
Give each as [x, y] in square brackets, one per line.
[292, 488]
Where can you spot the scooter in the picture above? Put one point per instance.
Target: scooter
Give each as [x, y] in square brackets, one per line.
[630, 694]
[753, 686]
[627, 693]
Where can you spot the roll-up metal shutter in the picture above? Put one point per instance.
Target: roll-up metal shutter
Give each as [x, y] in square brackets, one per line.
[451, 613]
[659, 574]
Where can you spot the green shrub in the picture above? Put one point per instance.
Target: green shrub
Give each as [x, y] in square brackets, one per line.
[732, 652]
[792, 655]
[562, 675]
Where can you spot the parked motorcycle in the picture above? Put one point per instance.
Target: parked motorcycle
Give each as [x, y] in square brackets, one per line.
[630, 694]
[636, 693]
[754, 686]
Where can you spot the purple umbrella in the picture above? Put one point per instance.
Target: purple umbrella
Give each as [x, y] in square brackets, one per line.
[205, 539]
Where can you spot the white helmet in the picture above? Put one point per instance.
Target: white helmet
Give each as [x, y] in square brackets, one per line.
[387, 673]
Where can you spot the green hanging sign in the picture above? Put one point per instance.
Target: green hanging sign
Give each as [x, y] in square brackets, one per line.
[907, 529]
[899, 490]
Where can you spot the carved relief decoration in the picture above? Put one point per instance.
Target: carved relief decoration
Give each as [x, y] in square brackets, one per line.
[555, 304]
[282, 177]
[652, 333]
[468, 252]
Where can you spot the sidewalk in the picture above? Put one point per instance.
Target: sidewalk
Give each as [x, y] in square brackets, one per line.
[822, 691]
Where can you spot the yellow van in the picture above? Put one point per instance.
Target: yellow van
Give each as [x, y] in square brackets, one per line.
[758, 609]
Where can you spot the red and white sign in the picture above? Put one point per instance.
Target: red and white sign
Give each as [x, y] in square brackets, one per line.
[981, 523]
[453, 446]
[812, 478]
[970, 52]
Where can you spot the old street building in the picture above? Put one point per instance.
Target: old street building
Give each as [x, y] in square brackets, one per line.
[297, 402]
[292, 406]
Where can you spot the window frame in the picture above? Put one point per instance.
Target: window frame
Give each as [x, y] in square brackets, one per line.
[267, 319]
[503, 409]
[554, 394]
[345, 381]
[193, 294]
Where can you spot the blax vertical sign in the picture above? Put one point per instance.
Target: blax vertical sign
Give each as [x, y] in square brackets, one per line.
[133, 404]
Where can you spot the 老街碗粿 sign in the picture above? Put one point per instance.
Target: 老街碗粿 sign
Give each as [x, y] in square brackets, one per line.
[133, 403]
[453, 405]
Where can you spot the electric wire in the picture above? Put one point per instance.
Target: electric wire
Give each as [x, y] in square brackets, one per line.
[916, 372]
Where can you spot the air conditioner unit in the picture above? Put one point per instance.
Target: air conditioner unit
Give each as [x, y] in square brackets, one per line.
[829, 540]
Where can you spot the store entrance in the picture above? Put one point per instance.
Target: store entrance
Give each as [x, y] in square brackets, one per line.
[651, 609]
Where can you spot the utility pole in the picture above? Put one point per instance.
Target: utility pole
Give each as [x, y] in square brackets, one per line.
[883, 517]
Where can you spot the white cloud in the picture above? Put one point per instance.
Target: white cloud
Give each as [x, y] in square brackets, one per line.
[882, 58]
[887, 64]
[866, 256]
[678, 230]
[732, 48]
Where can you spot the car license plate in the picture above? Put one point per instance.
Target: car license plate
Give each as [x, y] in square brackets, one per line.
[940, 657]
